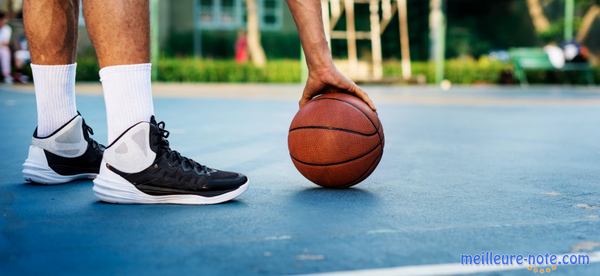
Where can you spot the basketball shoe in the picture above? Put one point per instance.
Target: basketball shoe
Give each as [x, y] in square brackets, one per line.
[65, 155]
[140, 167]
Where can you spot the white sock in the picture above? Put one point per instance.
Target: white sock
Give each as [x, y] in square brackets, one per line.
[127, 95]
[54, 96]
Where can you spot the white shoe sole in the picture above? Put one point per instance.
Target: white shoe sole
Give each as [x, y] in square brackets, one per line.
[113, 188]
[36, 169]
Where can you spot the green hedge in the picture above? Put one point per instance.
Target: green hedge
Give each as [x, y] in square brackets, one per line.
[87, 69]
[457, 71]
[195, 70]
[463, 71]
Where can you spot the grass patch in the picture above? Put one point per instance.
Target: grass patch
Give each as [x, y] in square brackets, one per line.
[458, 71]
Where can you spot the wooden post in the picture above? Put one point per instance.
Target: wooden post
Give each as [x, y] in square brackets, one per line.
[404, 42]
[351, 36]
[376, 40]
[336, 13]
[587, 22]
[257, 54]
[326, 26]
[539, 20]
[386, 10]
[437, 35]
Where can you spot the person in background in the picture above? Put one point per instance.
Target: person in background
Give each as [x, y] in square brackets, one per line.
[574, 52]
[555, 55]
[22, 60]
[5, 34]
[241, 47]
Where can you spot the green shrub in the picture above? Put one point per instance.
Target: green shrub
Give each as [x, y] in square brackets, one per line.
[197, 70]
[458, 71]
[87, 69]
[468, 71]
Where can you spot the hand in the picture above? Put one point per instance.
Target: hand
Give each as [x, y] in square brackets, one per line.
[323, 80]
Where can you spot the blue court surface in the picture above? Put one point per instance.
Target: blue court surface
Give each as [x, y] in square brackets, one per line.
[465, 171]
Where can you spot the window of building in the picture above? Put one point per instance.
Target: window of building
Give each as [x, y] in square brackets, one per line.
[218, 14]
[231, 14]
[271, 14]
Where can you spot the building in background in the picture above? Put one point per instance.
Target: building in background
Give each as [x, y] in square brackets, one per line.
[202, 27]
[208, 28]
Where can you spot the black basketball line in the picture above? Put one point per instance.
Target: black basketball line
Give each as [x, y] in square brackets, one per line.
[354, 106]
[336, 163]
[336, 129]
[364, 175]
[354, 182]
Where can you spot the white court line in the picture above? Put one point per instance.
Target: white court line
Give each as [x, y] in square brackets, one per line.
[447, 269]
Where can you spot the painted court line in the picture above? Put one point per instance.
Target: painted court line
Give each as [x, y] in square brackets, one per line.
[446, 269]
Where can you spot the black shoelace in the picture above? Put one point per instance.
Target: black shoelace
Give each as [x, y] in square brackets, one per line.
[173, 156]
[87, 131]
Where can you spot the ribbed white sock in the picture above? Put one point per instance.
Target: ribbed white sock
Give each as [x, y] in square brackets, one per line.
[54, 96]
[127, 95]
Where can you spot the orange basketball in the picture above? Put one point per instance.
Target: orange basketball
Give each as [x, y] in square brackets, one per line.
[336, 140]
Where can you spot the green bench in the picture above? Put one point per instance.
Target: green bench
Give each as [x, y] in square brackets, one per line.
[524, 59]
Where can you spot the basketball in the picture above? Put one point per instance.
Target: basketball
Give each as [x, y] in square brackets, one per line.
[336, 140]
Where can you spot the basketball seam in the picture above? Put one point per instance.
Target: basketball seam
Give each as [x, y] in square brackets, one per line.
[355, 107]
[335, 129]
[364, 175]
[336, 163]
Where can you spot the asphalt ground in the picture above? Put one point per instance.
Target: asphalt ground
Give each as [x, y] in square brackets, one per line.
[465, 171]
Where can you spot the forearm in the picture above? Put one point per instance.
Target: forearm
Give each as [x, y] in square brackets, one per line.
[323, 76]
[309, 22]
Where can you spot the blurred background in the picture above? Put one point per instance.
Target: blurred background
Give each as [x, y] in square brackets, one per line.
[375, 41]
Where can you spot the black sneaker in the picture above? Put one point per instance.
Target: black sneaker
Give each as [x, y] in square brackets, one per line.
[65, 155]
[140, 167]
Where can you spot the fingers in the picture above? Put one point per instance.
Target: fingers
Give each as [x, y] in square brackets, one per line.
[336, 81]
[303, 101]
[352, 88]
[307, 94]
[356, 90]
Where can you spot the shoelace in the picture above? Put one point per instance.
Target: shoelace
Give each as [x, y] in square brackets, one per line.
[174, 156]
[89, 131]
